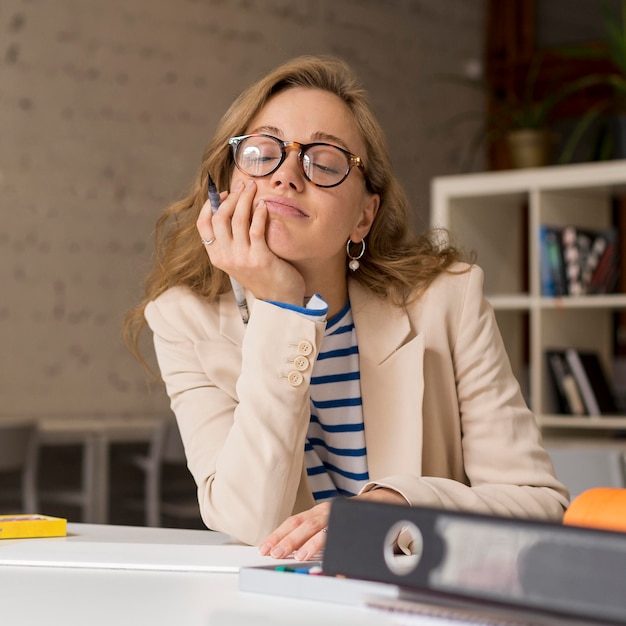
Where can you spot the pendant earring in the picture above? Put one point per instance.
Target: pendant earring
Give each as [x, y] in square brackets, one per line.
[354, 260]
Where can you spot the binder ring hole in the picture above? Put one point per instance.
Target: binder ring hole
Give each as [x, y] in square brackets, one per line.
[403, 548]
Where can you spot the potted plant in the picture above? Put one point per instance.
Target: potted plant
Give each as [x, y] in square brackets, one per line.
[521, 116]
[524, 120]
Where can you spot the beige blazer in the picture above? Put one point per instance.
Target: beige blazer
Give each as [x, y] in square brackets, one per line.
[445, 422]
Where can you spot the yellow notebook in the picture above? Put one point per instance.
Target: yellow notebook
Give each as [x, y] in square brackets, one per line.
[24, 526]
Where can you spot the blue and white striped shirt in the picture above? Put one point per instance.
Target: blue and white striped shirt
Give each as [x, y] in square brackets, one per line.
[335, 453]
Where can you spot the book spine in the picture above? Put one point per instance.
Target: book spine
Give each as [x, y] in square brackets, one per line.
[586, 390]
[570, 400]
[591, 261]
[605, 275]
[547, 282]
[555, 258]
[600, 383]
[571, 260]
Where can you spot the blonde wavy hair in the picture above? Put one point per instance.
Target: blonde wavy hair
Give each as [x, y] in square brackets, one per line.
[397, 265]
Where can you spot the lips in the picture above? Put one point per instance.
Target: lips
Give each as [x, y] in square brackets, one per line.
[284, 206]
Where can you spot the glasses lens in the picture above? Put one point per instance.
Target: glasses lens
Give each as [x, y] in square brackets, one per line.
[325, 165]
[258, 156]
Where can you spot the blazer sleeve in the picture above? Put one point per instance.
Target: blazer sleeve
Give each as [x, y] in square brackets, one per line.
[473, 392]
[242, 413]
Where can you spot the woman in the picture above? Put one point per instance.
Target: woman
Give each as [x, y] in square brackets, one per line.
[371, 366]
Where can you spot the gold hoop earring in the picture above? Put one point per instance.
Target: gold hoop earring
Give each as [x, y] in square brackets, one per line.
[354, 260]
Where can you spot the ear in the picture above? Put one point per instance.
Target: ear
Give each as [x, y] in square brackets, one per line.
[371, 202]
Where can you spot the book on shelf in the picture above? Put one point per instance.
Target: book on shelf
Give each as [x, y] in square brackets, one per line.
[605, 276]
[569, 399]
[578, 261]
[581, 383]
[553, 269]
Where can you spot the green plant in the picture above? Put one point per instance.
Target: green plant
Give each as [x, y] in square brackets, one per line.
[613, 51]
[528, 108]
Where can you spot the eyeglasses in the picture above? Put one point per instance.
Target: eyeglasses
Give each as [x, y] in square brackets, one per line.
[323, 164]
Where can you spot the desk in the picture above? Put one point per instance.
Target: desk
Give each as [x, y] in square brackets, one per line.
[95, 435]
[100, 597]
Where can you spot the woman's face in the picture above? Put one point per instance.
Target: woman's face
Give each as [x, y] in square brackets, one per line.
[308, 225]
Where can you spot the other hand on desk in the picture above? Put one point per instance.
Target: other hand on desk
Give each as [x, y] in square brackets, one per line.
[304, 534]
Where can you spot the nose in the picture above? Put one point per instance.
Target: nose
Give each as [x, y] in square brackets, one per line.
[290, 172]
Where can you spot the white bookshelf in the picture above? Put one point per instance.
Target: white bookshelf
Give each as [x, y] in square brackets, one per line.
[497, 216]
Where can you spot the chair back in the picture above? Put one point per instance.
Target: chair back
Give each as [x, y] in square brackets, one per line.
[19, 453]
[581, 468]
[17, 445]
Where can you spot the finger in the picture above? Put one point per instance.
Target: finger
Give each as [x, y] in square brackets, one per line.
[220, 218]
[203, 223]
[240, 220]
[312, 547]
[206, 212]
[204, 226]
[274, 538]
[258, 223]
[296, 531]
[301, 540]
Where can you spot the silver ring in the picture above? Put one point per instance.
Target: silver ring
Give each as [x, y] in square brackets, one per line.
[208, 242]
[324, 530]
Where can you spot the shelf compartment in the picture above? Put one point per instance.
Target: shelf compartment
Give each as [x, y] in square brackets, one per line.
[489, 227]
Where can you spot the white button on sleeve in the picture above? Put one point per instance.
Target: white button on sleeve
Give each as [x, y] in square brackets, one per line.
[301, 363]
[295, 378]
[305, 348]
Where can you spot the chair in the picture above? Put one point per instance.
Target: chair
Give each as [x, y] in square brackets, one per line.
[581, 468]
[165, 455]
[19, 456]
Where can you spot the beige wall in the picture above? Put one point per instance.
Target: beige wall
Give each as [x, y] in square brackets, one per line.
[105, 108]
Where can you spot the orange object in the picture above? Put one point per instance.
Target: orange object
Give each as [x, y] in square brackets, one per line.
[600, 507]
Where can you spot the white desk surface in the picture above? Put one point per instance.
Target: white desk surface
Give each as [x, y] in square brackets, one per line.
[99, 596]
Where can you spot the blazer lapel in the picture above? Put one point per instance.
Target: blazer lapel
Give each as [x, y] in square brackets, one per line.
[392, 384]
[391, 357]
